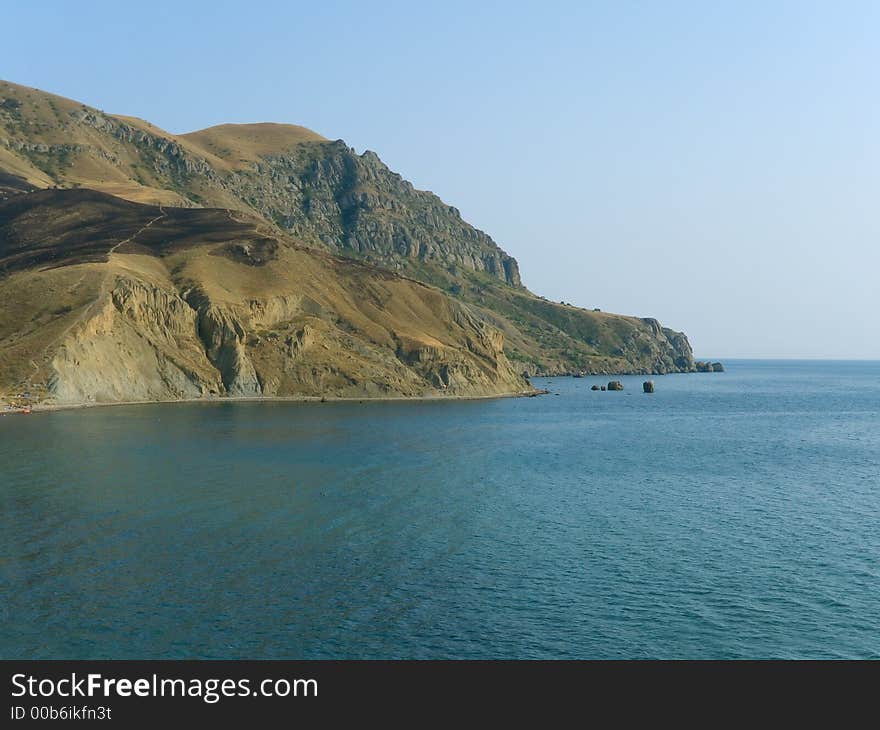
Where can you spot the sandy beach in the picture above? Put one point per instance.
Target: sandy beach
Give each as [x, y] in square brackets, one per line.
[10, 409]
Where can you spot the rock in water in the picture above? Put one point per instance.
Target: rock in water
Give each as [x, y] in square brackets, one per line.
[595, 387]
[615, 385]
[648, 386]
[717, 367]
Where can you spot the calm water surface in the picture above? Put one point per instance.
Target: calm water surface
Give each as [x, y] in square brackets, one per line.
[727, 515]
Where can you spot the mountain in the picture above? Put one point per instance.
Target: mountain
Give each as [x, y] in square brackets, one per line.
[322, 192]
[317, 195]
[110, 300]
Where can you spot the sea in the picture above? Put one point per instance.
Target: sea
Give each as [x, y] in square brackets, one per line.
[725, 516]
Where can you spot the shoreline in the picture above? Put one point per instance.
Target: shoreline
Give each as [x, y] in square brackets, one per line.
[50, 407]
[10, 409]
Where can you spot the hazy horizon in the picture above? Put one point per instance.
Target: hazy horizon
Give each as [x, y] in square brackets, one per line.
[714, 167]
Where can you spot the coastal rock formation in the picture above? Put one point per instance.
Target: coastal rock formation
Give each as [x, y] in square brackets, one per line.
[648, 386]
[615, 385]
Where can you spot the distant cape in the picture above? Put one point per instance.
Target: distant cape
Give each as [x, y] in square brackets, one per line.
[189, 244]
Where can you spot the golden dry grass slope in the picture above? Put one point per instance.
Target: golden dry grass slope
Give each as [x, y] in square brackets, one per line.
[108, 300]
[51, 141]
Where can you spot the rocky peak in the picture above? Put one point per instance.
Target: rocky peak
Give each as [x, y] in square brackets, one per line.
[355, 203]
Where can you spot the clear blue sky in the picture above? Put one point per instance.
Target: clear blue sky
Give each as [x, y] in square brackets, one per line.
[713, 164]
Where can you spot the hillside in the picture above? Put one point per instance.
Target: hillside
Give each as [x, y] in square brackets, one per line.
[108, 300]
[324, 195]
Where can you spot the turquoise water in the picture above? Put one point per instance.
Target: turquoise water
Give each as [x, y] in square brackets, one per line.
[726, 515]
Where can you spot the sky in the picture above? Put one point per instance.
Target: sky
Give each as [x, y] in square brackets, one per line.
[714, 165]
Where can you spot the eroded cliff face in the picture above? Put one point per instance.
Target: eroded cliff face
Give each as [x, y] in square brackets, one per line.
[668, 350]
[144, 342]
[153, 321]
[137, 342]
